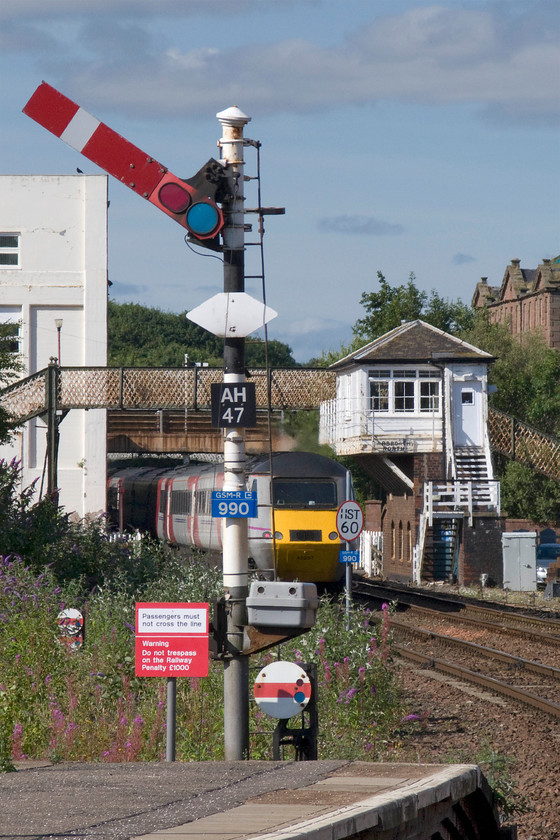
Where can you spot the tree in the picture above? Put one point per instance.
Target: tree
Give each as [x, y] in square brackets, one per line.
[143, 336]
[391, 305]
[10, 367]
[527, 494]
[526, 373]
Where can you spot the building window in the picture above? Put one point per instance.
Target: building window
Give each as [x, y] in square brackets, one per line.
[429, 396]
[10, 328]
[404, 396]
[9, 250]
[379, 393]
[404, 391]
[409, 542]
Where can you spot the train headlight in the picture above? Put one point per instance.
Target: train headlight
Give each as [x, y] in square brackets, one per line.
[333, 535]
[278, 535]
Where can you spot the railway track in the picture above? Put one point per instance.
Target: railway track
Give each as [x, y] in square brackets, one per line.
[494, 667]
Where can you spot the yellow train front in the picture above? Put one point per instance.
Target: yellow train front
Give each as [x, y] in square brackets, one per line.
[294, 533]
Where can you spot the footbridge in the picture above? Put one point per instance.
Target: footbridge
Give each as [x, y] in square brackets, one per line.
[166, 410]
[169, 409]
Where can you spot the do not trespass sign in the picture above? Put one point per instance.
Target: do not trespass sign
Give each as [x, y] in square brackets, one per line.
[349, 520]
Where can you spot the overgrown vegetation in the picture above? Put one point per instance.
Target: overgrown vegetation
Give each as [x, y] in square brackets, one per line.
[143, 336]
[10, 368]
[88, 705]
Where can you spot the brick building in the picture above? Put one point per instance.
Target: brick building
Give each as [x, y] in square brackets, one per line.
[528, 299]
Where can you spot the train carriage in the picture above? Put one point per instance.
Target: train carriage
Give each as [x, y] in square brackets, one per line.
[292, 537]
[294, 533]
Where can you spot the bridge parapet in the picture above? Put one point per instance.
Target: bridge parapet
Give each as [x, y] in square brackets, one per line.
[162, 389]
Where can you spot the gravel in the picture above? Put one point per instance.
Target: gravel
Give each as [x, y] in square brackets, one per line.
[461, 723]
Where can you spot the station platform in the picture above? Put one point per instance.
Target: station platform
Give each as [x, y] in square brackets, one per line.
[252, 800]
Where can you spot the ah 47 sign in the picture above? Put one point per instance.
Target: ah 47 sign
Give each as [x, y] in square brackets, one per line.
[233, 404]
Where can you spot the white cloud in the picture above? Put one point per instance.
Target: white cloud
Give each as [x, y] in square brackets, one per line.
[462, 259]
[501, 58]
[53, 9]
[359, 225]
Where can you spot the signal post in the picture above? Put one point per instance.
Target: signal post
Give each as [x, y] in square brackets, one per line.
[235, 542]
[193, 203]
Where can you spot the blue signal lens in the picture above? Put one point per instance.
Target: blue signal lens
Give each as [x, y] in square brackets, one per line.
[202, 219]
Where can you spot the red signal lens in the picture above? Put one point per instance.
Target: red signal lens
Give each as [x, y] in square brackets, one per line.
[174, 198]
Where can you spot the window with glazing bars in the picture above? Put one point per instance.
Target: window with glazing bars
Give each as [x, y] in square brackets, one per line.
[9, 250]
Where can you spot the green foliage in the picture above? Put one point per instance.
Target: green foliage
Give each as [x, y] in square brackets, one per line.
[526, 373]
[42, 533]
[526, 494]
[496, 768]
[10, 367]
[388, 307]
[360, 707]
[143, 336]
[87, 705]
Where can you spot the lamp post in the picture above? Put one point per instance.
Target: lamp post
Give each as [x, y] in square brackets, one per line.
[58, 325]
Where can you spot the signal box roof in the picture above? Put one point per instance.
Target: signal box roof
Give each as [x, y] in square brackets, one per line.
[414, 342]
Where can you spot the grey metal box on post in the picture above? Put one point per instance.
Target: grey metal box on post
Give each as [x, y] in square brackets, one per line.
[282, 604]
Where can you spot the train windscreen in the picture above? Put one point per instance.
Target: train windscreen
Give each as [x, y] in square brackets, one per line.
[304, 494]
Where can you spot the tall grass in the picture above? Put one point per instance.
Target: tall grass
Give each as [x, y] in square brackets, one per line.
[88, 705]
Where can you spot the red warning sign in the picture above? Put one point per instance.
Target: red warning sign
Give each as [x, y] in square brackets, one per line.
[171, 640]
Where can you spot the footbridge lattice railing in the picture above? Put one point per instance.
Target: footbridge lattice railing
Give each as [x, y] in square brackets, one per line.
[523, 443]
[160, 388]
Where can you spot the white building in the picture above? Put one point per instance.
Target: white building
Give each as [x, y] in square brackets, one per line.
[411, 408]
[53, 285]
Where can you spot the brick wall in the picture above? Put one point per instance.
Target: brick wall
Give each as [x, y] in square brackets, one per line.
[373, 511]
[536, 312]
[481, 551]
[546, 531]
[399, 537]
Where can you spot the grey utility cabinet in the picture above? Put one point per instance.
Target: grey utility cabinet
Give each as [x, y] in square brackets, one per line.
[519, 552]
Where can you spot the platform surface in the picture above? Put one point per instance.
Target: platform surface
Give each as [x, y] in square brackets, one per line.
[219, 800]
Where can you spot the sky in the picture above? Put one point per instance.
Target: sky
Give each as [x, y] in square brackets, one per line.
[400, 135]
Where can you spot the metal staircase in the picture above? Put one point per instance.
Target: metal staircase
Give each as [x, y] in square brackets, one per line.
[447, 504]
[471, 465]
[441, 547]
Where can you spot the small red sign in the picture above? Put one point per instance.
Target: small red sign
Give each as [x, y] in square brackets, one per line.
[171, 640]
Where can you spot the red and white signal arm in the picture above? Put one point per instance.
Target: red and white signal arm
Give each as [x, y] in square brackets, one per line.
[190, 202]
[282, 689]
[349, 521]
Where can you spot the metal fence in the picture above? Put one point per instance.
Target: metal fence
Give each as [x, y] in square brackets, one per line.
[162, 388]
[523, 443]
